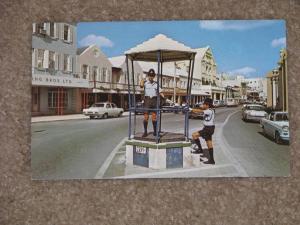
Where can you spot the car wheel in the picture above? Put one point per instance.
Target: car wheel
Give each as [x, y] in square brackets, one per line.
[277, 138]
[92, 117]
[105, 116]
[120, 114]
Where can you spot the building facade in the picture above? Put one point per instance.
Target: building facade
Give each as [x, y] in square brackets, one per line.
[277, 85]
[94, 66]
[56, 84]
[119, 82]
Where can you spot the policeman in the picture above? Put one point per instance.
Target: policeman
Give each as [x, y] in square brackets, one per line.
[207, 131]
[150, 100]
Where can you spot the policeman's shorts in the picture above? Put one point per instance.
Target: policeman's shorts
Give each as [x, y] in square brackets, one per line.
[150, 103]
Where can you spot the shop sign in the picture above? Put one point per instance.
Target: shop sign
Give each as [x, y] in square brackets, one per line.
[59, 81]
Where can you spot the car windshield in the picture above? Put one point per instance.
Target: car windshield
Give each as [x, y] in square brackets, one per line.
[256, 108]
[282, 117]
[98, 105]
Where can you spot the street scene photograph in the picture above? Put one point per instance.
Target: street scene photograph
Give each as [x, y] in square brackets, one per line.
[159, 99]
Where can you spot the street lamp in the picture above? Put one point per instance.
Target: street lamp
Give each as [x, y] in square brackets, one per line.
[94, 75]
[176, 66]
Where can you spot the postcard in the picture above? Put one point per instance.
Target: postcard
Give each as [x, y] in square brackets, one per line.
[159, 99]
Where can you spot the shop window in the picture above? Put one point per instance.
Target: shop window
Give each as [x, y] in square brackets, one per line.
[57, 99]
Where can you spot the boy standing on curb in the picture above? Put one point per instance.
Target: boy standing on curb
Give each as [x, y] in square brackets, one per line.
[207, 132]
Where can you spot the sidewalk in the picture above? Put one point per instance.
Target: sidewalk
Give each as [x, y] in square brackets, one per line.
[37, 119]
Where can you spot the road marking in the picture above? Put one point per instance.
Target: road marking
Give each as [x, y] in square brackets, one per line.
[226, 148]
[107, 162]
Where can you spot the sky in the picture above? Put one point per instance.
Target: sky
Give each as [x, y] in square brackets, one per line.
[244, 47]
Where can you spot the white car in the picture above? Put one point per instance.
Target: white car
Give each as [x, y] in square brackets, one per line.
[216, 103]
[276, 125]
[253, 112]
[231, 102]
[103, 110]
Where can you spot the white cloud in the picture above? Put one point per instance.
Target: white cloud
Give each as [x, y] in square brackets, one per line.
[92, 39]
[239, 25]
[279, 42]
[243, 71]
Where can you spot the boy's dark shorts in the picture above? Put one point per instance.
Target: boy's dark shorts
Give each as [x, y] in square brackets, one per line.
[207, 132]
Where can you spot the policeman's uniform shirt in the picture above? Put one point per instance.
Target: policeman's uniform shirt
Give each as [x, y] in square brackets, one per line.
[209, 117]
[151, 88]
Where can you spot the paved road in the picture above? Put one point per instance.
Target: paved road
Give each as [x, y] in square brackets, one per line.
[78, 148]
[257, 154]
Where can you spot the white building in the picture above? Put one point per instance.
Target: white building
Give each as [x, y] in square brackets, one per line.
[56, 85]
[257, 86]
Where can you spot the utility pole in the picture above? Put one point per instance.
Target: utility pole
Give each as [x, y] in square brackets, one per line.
[174, 83]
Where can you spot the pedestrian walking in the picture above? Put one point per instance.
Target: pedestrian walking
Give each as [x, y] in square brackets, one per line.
[207, 131]
[150, 100]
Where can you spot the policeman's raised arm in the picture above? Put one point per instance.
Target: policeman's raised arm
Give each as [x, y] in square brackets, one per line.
[142, 83]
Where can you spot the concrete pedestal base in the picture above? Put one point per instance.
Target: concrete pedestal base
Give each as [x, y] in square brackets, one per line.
[158, 156]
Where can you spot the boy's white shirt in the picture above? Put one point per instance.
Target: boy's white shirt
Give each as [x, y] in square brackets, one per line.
[209, 117]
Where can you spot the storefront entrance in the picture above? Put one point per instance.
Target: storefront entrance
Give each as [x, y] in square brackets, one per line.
[35, 99]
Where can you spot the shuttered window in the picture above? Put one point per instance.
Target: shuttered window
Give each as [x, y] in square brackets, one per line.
[40, 58]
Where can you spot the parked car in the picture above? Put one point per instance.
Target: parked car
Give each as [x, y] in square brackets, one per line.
[253, 112]
[217, 103]
[168, 106]
[177, 107]
[138, 106]
[231, 102]
[276, 125]
[103, 110]
[222, 103]
[244, 106]
[196, 115]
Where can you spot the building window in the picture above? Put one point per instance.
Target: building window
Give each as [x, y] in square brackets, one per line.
[84, 71]
[67, 34]
[52, 30]
[95, 73]
[40, 28]
[51, 60]
[40, 58]
[67, 63]
[104, 74]
[57, 99]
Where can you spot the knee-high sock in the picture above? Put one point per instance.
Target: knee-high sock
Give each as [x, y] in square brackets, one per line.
[145, 126]
[154, 127]
[197, 141]
[211, 154]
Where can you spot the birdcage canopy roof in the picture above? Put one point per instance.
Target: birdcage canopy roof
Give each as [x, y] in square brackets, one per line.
[170, 50]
